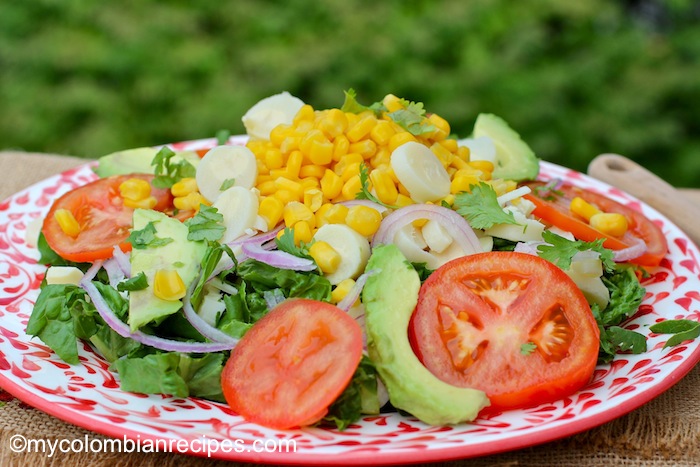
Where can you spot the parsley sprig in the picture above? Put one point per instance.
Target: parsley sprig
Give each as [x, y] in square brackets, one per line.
[560, 250]
[480, 207]
[285, 242]
[412, 118]
[168, 172]
[146, 238]
[205, 225]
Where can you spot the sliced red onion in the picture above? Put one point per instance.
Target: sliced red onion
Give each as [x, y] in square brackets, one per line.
[550, 187]
[123, 330]
[227, 263]
[204, 328]
[277, 258]
[123, 259]
[259, 239]
[114, 272]
[349, 300]
[455, 225]
[631, 252]
[365, 202]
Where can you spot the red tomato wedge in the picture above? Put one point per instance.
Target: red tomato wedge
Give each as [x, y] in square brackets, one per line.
[555, 211]
[103, 218]
[510, 324]
[290, 366]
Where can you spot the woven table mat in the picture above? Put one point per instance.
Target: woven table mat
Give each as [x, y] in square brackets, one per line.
[663, 432]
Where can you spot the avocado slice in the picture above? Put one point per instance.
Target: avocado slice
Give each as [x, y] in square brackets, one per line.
[390, 297]
[515, 160]
[181, 254]
[137, 160]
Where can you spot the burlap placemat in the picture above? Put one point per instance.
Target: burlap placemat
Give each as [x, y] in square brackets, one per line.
[664, 432]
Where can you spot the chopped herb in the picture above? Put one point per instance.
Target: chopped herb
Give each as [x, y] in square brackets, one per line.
[423, 271]
[682, 330]
[205, 225]
[548, 191]
[527, 348]
[228, 183]
[222, 137]
[412, 118]
[480, 207]
[285, 242]
[364, 192]
[138, 282]
[146, 238]
[351, 105]
[168, 173]
[560, 250]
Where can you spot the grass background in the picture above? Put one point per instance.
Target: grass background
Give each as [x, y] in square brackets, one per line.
[574, 78]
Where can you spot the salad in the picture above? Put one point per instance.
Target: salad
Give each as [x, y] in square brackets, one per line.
[344, 262]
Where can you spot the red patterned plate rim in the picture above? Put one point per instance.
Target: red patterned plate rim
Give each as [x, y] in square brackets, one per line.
[87, 394]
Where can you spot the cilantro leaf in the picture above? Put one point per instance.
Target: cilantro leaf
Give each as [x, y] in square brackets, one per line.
[285, 242]
[364, 192]
[560, 250]
[527, 348]
[412, 118]
[222, 137]
[137, 282]
[146, 238]
[353, 106]
[168, 173]
[480, 207]
[226, 184]
[205, 225]
[682, 330]
[209, 262]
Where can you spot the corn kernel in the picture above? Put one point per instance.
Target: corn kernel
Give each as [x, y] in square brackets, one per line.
[331, 184]
[313, 135]
[341, 145]
[302, 232]
[67, 222]
[403, 200]
[321, 152]
[189, 202]
[450, 144]
[313, 199]
[444, 156]
[289, 144]
[583, 208]
[361, 128]
[312, 170]
[306, 113]
[146, 203]
[366, 148]
[463, 183]
[295, 212]
[392, 103]
[182, 188]
[346, 160]
[484, 166]
[283, 183]
[442, 128]
[262, 168]
[352, 187]
[271, 210]
[334, 123]
[384, 186]
[258, 147]
[400, 138]
[321, 214]
[267, 188]
[459, 163]
[342, 290]
[610, 223]
[336, 214]
[274, 158]
[286, 196]
[464, 153]
[294, 162]
[326, 257]
[310, 182]
[303, 127]
[279, 133]
[363, 220]
[381, 157]
[382, 132]
[135, 189]
[168, 285]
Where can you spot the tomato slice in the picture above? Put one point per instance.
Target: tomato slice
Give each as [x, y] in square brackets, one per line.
[511, 324]
[292, 364]
[103, 218]
[555, 211]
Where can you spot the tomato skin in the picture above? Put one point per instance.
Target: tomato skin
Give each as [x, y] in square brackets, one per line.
[556, 212]
[292, 364]
[104, 220]
[475, 313]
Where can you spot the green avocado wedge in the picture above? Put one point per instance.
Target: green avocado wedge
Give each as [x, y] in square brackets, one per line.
[137, 160]
[390, 296]
[515, 160]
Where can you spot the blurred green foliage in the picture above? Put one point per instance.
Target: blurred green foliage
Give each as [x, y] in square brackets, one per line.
[574, 78]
